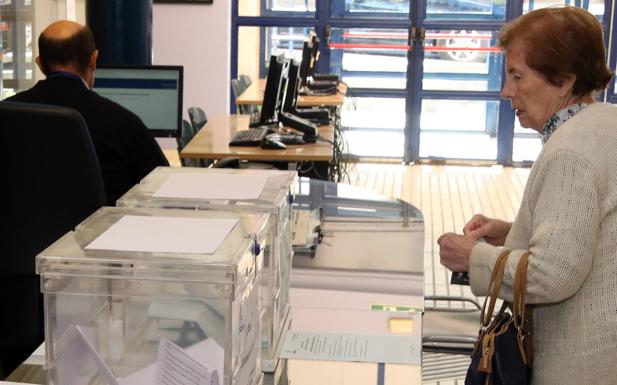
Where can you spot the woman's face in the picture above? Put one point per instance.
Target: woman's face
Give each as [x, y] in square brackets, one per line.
[533, 98]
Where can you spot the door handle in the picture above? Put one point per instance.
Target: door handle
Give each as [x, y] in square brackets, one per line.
[421, 34]
[327, 31]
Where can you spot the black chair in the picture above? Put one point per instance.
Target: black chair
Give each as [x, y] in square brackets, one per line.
[246, 80]
[52, 182]
[198, 118]
[237, 88]
[188, 132]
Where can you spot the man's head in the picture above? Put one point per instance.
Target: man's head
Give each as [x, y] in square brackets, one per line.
[67, 46]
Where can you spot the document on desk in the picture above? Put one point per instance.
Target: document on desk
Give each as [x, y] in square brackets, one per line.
[212, 186]
[351, 347]
[164, 234]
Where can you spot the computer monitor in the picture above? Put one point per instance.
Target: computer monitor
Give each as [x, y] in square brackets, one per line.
[316, 115]
[154, 93]
[314, 55]
[293, 86]
[308, 59]
[276, 87]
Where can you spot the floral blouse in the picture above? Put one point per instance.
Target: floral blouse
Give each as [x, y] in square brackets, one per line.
[560, 118]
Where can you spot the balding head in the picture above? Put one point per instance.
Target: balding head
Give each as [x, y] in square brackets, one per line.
[61, 30]
[67, 46]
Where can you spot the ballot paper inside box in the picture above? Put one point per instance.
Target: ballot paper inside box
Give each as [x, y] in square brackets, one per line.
[236, 190]
[131, 291]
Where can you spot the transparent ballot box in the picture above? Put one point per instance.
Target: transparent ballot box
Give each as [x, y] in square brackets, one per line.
[139, 296]
[262, 191]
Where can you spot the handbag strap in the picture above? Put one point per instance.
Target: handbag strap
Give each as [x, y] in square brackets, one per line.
[521, 312]
[520, 289]
[493, 288]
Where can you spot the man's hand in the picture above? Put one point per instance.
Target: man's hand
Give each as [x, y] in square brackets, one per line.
[454, 251]
[494, 231]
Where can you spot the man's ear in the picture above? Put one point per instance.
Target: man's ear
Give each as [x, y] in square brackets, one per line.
[93, 57]
[38, 64]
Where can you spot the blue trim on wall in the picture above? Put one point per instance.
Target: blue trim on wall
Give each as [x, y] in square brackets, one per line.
[234, 53]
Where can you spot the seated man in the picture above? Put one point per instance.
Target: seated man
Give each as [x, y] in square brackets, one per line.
[126, 150]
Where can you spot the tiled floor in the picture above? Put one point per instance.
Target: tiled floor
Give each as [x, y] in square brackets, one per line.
[447, 196]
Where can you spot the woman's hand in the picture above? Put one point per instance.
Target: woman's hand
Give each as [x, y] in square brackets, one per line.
[454, 251]
[494, 231]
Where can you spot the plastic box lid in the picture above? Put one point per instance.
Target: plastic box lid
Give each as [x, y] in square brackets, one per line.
[203, 188]
[70, 255]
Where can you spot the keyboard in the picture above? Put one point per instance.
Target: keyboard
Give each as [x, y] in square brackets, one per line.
[321, 84]
[251, 137]
[330, 77]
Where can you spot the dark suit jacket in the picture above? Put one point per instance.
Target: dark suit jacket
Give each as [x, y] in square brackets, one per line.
[126, 150]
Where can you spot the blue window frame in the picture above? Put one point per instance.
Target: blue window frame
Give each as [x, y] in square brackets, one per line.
[418, 39]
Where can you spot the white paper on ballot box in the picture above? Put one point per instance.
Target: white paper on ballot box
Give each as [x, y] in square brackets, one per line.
[212, 186]
[164, 234]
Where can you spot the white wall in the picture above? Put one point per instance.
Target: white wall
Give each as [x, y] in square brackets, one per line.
[197, 37]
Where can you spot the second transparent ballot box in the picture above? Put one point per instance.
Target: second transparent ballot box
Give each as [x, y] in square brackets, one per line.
[262, 191]
[138, 296]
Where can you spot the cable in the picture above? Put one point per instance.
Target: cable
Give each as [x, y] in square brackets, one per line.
[322, 139]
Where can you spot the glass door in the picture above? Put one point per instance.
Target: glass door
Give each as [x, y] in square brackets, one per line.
[369, 47]
[16, 51]
[456, 109]
[424, 77]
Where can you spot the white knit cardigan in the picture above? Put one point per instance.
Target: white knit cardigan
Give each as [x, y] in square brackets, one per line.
[568, 220]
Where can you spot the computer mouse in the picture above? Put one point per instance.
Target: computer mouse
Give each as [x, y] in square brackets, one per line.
[272, 145]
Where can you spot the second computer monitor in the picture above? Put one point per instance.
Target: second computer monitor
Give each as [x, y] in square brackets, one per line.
[154, 93]
[276, 88]
[293, 87]
[307, 48]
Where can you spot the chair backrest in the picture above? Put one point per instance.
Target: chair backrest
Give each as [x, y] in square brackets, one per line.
[198, 118]
[238, 87]
[188, 132]
[52, 183]
[246, 80]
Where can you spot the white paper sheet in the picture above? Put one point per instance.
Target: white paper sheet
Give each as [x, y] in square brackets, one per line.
[212, 186]
[165, 234]
[351, 347]
[175, 367]
[74, 365]
[207, 353]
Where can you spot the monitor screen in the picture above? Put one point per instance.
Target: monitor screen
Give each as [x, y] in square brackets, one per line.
[314, 55]
[291, 95]
[308, 58]
[154, 93]
[305, 63]
[276, 86]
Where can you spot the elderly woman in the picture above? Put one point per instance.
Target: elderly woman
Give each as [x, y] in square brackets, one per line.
[555, 61]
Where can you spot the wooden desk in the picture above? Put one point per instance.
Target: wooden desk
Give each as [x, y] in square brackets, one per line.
[255, 94]
[212, 142]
